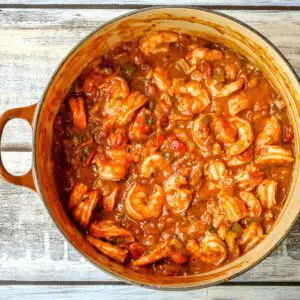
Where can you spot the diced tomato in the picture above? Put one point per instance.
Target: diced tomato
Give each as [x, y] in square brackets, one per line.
[179, 146]
[136, 250]
[288, 134]
[160, 140]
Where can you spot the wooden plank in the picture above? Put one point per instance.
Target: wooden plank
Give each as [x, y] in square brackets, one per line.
[158, 2]
[34, 41]
[33, 249]
[110, 292]
[39, 46]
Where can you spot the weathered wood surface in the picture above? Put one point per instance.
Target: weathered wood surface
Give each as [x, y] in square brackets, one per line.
[218, 3]
[34, 38]
[33, 42]
[70, 292]
[33, 249]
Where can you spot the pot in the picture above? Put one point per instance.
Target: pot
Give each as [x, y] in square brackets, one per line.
[210, 25]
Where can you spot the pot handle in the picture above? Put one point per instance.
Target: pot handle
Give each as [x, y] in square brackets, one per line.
[25, 113]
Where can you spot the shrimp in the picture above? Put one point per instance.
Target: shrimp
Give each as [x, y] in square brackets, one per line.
[153, 163]
[212, 249]
[116, 90]
[177, 195]
[241, 159]
[194, 100]
[113, 167]
[253, 205]
[107, 229]
[251, 236]
[215, 170]
[227, 89]
[162, 80]
[266, 155]
[199, 53]
[266, 192]
[171, 248]
[249, 178]
[233, 208]
[78, 112]
[129, 106]
[138, 207]
[109, 191]
[157, 42]
[238, 103]
[83, 211]
[202, 136]
[116, 253]
[224, 130]
[270, 134]
[77, 194]
[245, 136]
[141, 129]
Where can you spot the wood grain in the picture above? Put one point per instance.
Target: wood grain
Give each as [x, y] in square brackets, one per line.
[111, 292]
[34, 41]
[275, 3]
[33, 249]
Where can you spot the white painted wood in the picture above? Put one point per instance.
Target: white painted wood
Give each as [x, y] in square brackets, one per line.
[34, 41]
[33, 249]
[113, 292]
[160, 2]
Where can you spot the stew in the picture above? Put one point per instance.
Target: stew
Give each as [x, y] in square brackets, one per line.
[175, 154]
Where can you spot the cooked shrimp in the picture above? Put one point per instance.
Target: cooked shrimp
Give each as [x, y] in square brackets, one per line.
[212, 249]
[231, 242]
[153, 163]
[109, 201]
[177, 195]
[156, 42]
[113, 167]
[138, 207]
[141, 129]
[251, 236]
[116, 91]
[194, 100]
[278, 155]
[233, 208]
[215, 170]
[129, 106]
[227, 89]
[112, 251]
[77, 194]
[253, 205]
[171, 248]
[83, 211]
[78, 112]
[202, 135]
[109, 191]
[238, 103]
[162, 80]
[245, 136]
[107, 229]
[241, 159]
[270, 134]
[224, 130]
[249, 178]
[200, 53]
[266, 192]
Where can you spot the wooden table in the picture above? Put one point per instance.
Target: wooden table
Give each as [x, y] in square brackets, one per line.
[35, 260]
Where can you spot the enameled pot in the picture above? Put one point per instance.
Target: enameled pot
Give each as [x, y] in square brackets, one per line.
[208, 24]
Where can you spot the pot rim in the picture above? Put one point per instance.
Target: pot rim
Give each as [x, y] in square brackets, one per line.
[188, 286]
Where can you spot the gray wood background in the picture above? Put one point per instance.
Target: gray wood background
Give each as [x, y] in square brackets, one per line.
[35, 260]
